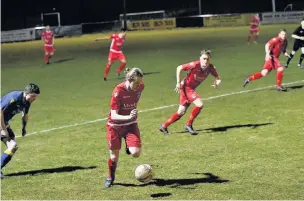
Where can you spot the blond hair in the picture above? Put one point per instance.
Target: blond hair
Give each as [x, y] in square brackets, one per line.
[133, 72]
[206, 52]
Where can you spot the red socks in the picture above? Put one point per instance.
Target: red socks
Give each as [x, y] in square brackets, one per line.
[112, 168]
[279, 78]
[194, 113]
[122, 65]
[46, 59]
[172, 119]
[107, 69]
[259, 75]
[249, 37]
[106, 72]
[176, 116]
[255, 76]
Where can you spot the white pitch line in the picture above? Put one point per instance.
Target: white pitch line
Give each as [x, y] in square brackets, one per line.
[157, 108]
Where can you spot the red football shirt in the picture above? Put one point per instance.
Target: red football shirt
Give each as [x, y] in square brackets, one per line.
[196, 75]
[116, 43]
[124, 101]
[276, 46]
[48, 36]
[255, 20]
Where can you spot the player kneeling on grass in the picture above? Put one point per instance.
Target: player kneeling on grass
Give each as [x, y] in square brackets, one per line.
[122, 120]
[12, 104]
[273, 49]
[198, 71]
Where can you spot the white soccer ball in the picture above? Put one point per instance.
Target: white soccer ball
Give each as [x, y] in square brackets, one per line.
[143, 173]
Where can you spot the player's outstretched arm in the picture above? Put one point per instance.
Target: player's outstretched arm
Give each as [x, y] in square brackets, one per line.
[44, 39]
[267, 51]
[284, 49]
[3, 127]
[178, 78]
[217, 80]
[119, 117]
[297, 37]
[24, 122]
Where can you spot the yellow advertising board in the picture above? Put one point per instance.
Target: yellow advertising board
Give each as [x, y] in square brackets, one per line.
[152, 24]
[227, 20]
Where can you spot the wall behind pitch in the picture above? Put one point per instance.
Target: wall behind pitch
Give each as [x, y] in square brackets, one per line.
[189, 22]
[227, 20]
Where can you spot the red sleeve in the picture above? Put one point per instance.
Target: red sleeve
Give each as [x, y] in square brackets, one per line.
[115, 100]
[188, 66]
[43, 35]
[284, 48]
[113, 36]
[214, 72]
[142, 87]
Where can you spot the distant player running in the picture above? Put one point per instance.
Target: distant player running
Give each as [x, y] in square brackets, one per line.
[198, 71]
[115, 52]
[12, 104]
[273, 49]
[254, 30]
[298, 35]
[122, 120]
[48, 37]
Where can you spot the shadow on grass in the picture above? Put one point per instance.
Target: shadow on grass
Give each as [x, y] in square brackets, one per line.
[225, 128]
[50, 170]
[176, 183]
[290, 88]
[295, 87]
[159, 195]
[62, 60]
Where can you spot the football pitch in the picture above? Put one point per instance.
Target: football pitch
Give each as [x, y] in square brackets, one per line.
[250, 142]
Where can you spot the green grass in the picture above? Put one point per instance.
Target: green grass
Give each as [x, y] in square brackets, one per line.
[253, 142]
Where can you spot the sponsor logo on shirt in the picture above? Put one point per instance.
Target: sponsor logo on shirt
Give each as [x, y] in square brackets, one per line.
[129, 106]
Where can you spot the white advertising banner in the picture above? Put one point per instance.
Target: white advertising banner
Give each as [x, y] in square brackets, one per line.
[17, 35]
[282, 17]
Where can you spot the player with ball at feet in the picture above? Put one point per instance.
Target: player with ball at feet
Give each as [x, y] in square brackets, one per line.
[122, 120]
[198, 71]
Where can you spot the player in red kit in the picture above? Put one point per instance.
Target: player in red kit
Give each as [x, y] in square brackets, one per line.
[254, 28]
[48, 37]
[122, 120]
[198, 71]
[273, 49]
[115, 53]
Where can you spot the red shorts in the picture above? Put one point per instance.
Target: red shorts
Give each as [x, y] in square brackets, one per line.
[187, 95]
[116, 56]
[254, 30]
[49, 48]
[272, 63]
[116, 133]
